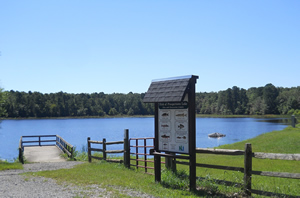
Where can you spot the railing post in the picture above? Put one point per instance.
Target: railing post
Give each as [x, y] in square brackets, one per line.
[247, 169]
[145, 153]
[72, 153]
[39, 140]
[104, 148]
[21, 155]
[170, 162]
[126, 149]
[89, 149]
[137, 151]
[293, 121]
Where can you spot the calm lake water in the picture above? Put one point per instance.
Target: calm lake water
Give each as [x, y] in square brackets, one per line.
[76, 131]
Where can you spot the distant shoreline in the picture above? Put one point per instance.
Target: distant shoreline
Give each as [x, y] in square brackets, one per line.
[150, 116]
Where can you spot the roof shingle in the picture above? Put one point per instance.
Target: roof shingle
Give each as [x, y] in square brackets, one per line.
[169, 90]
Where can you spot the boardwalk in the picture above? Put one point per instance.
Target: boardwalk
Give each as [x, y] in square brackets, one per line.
[43, 154]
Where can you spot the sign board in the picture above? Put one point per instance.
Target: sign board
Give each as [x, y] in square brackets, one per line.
[173, 123]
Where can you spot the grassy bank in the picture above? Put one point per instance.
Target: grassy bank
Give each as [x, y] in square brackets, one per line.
[284, 141]
[4, 165]
[242, 116]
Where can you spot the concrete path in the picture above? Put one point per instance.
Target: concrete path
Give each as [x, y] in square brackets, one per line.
[43, 154]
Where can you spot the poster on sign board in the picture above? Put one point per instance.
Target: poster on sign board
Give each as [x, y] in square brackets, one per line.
[173, 128]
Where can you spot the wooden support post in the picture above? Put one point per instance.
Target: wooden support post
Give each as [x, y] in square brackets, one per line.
[293, 121]
[157, 168]
[173, 166]
[126, 149]
[137, 151]
[157, 159]
[248, 169]
[21, 159]
[192, 133]
[72, 153]
[104, 148]
[89, 149]
[170, 162]
[145, 156]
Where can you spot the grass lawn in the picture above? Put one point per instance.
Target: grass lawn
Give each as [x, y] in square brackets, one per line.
[4, 165]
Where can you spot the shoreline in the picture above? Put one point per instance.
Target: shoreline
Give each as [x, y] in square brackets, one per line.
[150, 116]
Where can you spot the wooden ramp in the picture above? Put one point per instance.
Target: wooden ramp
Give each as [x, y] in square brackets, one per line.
[43, 154]
[44, 148]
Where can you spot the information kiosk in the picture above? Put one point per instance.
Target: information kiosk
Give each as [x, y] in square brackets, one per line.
[175, 121]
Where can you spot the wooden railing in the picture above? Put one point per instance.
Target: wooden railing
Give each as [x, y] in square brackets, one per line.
[104, 150]
[247, 169]
[65, 146]
[56, 139]
[145, 153]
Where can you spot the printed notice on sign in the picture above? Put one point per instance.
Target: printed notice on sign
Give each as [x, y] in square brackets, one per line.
[173, 127]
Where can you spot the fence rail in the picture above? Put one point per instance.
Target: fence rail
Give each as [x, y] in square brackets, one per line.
[247, 169]
[104, 151]
[58, 141]
[170, 161]
[137, 153]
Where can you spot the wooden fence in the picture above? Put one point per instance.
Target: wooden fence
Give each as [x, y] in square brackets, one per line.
[171, 162]
[104, 151]
[247, 169]
[126, 151]
[144, 154]
[44, 140]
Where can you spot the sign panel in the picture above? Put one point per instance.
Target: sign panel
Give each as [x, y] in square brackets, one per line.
[173, 132]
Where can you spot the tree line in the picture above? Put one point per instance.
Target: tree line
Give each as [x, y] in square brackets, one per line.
[254, 101]
[233, 101]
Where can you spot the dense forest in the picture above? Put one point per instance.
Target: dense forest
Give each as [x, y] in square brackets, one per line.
[233, 101]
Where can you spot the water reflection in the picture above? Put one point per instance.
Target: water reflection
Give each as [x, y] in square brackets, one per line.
[285, 121]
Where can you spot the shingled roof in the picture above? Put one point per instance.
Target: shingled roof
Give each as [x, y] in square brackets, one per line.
[168, 90]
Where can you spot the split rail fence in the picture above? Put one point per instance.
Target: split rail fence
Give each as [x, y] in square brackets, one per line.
[105, 151]
[247, 169]
[132, 148]
[137, 153]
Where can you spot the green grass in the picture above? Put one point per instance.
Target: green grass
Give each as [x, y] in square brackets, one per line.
[4, 165]
[242, 116]
[114, 176]
[284, 141]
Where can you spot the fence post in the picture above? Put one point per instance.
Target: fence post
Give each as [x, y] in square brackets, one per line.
[72, 153]
[89, 149]
[293, 121]
[126, 149]
[39, 140]
[247, 169]
[104, 148]
[137, 151]
[21, 156]
[170, 162]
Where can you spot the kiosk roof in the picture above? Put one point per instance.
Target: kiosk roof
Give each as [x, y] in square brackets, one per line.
[168, 90]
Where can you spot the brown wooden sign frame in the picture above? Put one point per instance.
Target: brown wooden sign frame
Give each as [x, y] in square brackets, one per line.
[174, 90]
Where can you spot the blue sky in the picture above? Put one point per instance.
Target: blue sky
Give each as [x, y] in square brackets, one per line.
[121, 46]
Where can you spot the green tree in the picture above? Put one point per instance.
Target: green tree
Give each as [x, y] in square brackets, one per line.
[2, 102]
[270, 94]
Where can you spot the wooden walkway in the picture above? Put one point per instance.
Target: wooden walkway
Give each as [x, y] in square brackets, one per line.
[43, 154]
[44, 148]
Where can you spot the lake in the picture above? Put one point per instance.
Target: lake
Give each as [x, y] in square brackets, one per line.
[76, 131]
